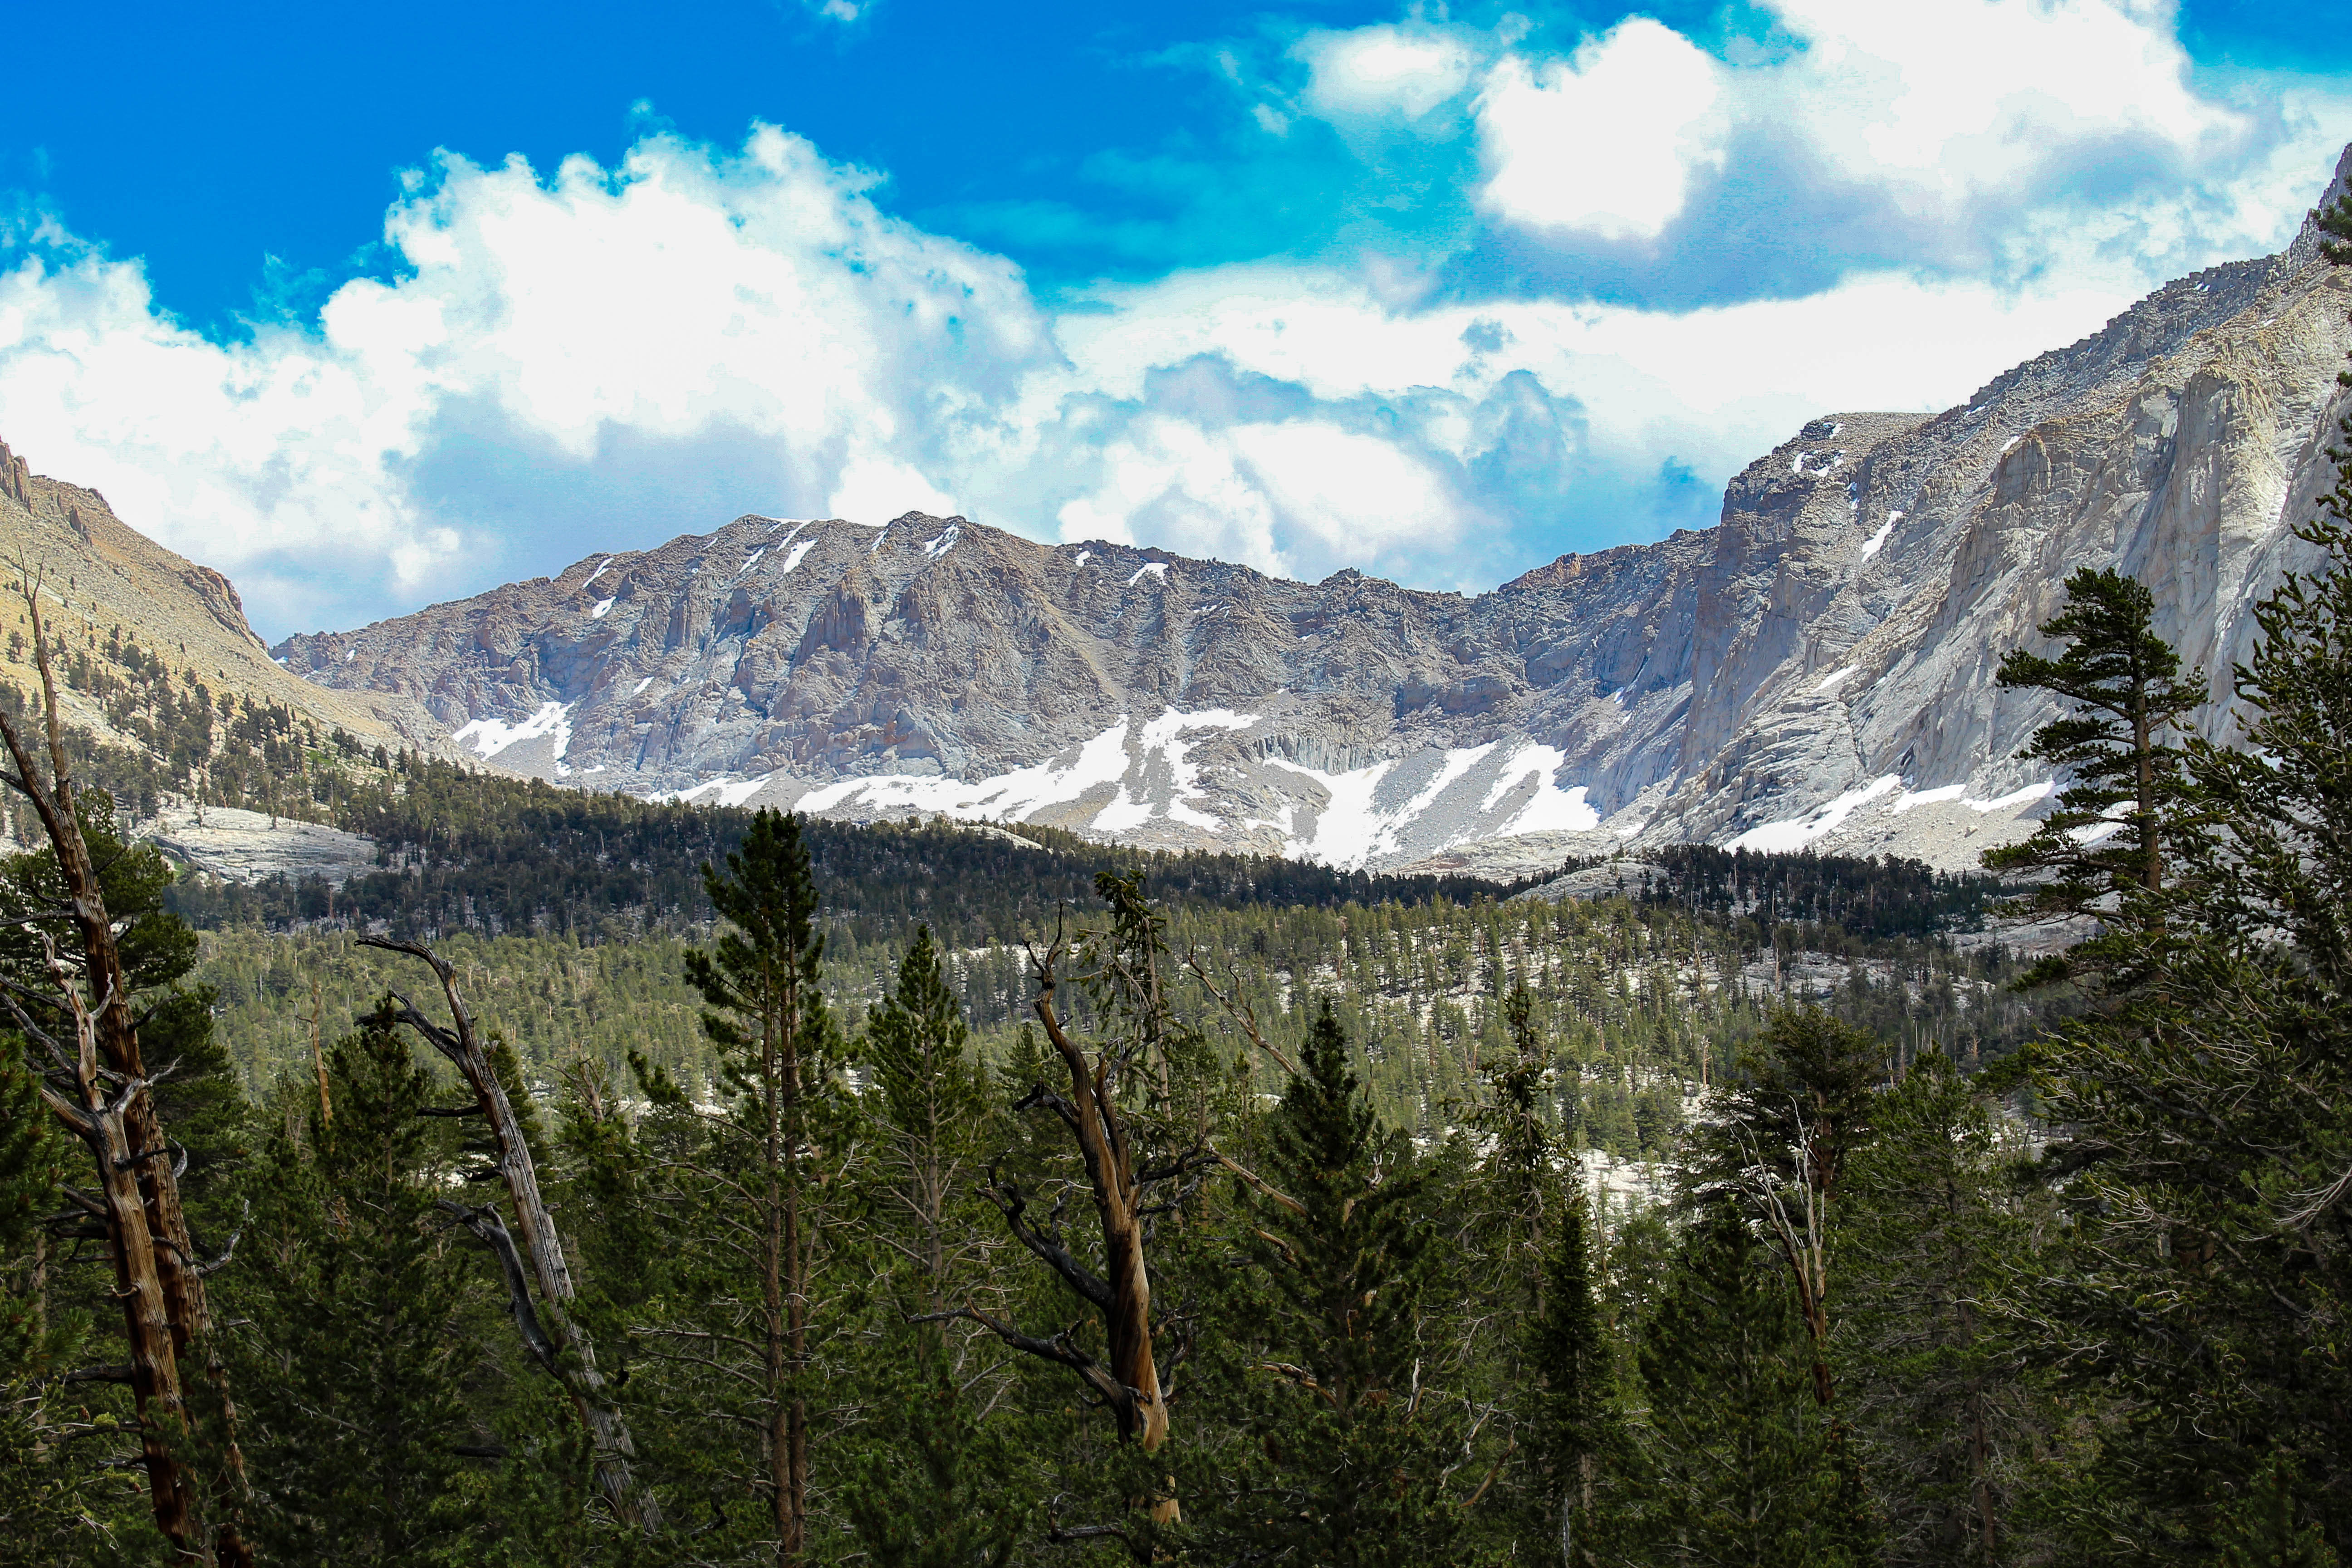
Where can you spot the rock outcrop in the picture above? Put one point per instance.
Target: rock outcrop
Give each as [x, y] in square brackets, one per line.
[1816, 670]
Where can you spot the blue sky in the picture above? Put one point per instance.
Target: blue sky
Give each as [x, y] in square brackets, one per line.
[369, 315]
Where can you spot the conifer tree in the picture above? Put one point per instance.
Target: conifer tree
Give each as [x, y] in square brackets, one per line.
[2266, 1529]
[1806, 1105]
[1355, 1474]
[57, 1501]
[2106, 848]
[363, 1317]
[1739, 1464]
[73, 971]
[1576, 1427]
[2207, 1145]
[1137, 1106]
[1936, 1231]
[766, 1013]
[1518, 1160]
[934, 1483]
[931, 1116]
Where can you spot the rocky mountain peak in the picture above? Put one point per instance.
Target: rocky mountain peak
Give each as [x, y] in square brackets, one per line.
[1815, 669]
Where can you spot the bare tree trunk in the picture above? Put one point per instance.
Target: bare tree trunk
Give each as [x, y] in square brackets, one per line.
[795, 1543]
[97, 1121]
[1110, 1176]
[575, 1362]
[163, 1236]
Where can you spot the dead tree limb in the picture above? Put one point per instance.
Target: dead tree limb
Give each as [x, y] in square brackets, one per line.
[567, 1353]
[1229, 997]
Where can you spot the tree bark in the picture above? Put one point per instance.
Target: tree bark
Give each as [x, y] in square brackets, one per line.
[1110, 1176]
[542, 1246]
[784, 1277]
[98, 1123]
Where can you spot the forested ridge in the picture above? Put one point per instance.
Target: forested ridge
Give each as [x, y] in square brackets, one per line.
[916, 1195]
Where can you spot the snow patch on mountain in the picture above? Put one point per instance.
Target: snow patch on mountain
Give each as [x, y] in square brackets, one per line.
[485, 738]
[1432, 802]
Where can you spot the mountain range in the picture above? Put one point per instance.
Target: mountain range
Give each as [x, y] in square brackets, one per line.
[1817, 669]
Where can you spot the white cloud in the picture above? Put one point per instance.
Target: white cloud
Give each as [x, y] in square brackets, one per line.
[602, 357]
[760, 293]
[874, 491]
[1608, 142]
[1383, 70]
[1965, 95]
[1299, 496]
[1715, 387]
[1965, 135]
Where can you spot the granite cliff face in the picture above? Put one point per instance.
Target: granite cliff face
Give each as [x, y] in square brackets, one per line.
[1816, 670]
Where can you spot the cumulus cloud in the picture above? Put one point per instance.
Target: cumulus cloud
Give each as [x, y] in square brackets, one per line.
[596, 322]
[1972, 138]
[1608, 142]
[599, 357]
[1383, 70]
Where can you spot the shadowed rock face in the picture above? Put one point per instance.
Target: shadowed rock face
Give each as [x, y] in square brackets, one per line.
[1818, 669]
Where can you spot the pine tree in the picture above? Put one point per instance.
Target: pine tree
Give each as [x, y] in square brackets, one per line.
[2207, 1146]
[364, 1316]
[1576, 1427]
[1137, 1099]
[1807, 1104]
[1738, 1457]
[2105, 847]
[1355, 1474]
[766, 1013]
[1938, 1228]
[92, 962]
[58, 1503]
[2264, 1531]
[930, 1118]
[934, 1483]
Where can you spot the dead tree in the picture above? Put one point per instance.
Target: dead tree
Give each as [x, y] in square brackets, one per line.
[1128, 1186]
[556, 1342]
[103, 1092]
